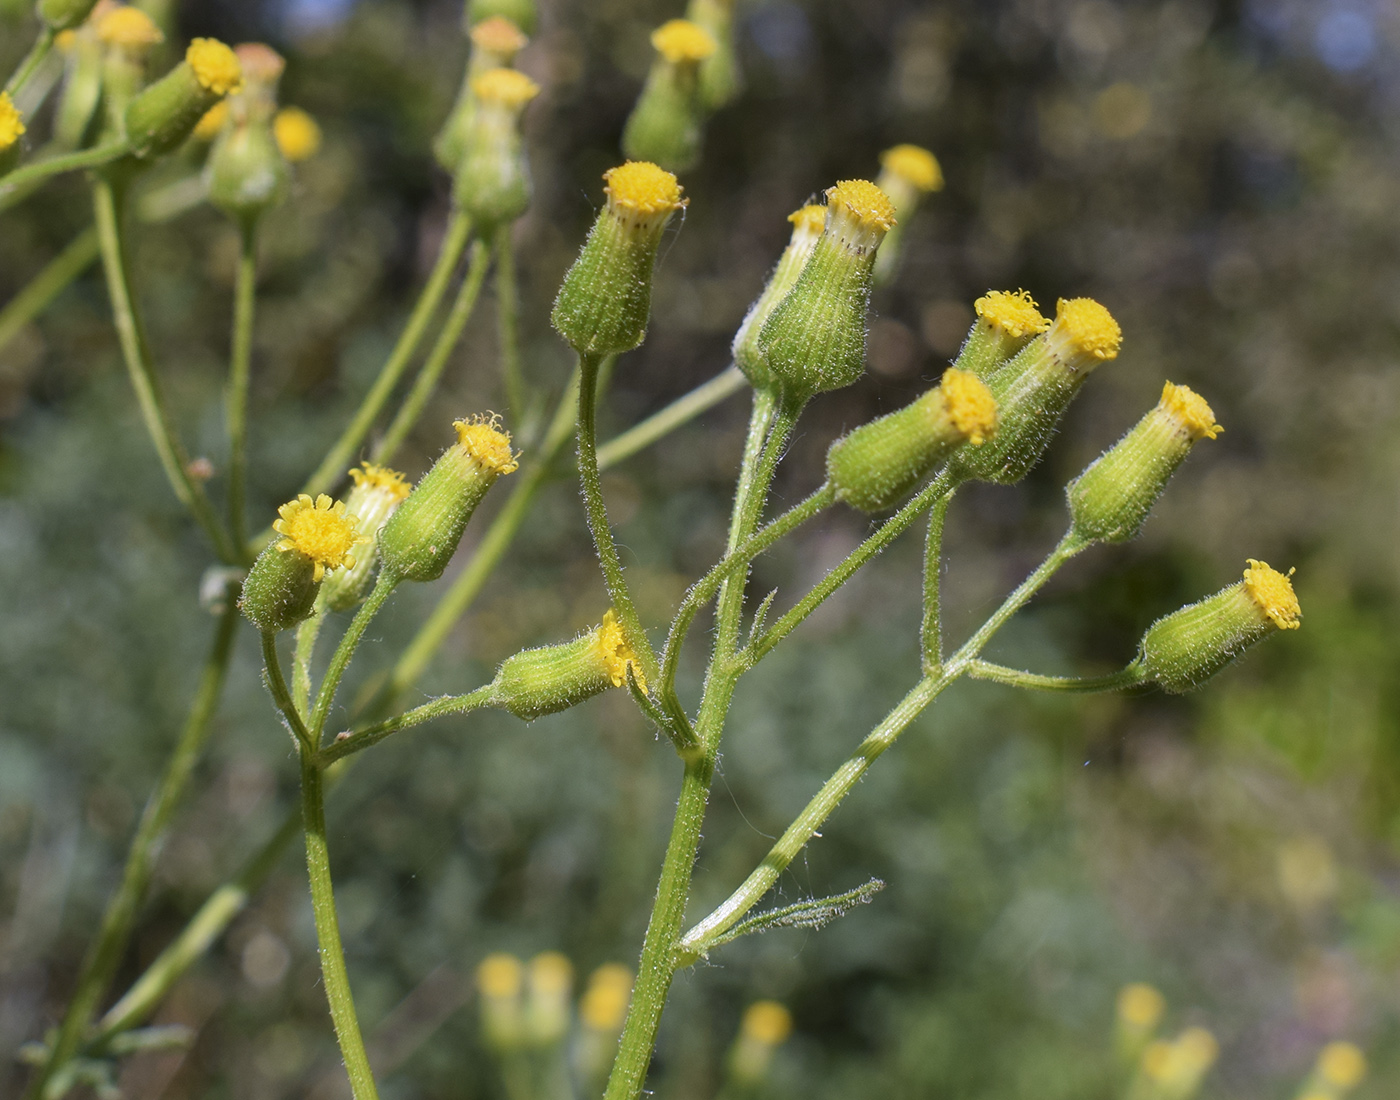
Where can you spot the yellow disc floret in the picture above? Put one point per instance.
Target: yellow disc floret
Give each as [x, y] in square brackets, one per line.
[682, 42]
[1342, 1064]
[321, 529]
[128, 26]
[297, 134]
[863, 201]
[498, 35]
[1088, 328]
[499, 976]
[1189, 409]
[767, 1022]
[643, 187]
[617, 655]
[1014, 312]
[971, 406]
[508, 87]
[215, 65]
[11, 122]
[915, 165]
[487, 442]
[810, 219]
[1274, 594]
[381, 478]
[208, 127]
[1141, 1005]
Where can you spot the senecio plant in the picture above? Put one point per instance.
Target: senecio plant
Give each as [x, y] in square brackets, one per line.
[989, 418]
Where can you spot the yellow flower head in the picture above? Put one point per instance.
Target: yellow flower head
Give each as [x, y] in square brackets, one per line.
[209, 126]
[387, 481]
[1189, 409]
[500, 976]
[1141, 1005]
[259, 63]
[604, 1004]
[970, 404]
[1014, 312]
[643, 188]
[508, 87]
[617, 655]
[129, 27]
[682, 42]
[915, 165]
[810, 220]
[498, 36]
[864, 202]
[1342, 1064]
[1274, 594]
[321, 530]
[487, 442]
[1085, 329]
[551, 973]
[296, 133]
[215, 66]
[11, 122]
[766, 1022]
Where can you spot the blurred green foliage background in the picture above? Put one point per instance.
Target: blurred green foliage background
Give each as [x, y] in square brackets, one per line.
[1223, 174]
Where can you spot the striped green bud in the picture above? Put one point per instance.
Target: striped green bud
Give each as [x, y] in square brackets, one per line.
[495, 43]
[1006, 322]
[1110, 500]
[536, 682]
[605, 300]
[317, 536]
[377, 493]
[1033, 390]
[493, 183]
[907, 174]
[807, 226]
[166, 113]
[880, 463]
[719, 73]
[814, 340]
[422, 534]
[246, 173]
[667, 124]
[1188, 647]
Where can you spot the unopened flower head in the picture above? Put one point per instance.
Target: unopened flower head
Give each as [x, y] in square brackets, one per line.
[880, 463]
[1034, 387]
[498, 38]
[246, 173]
[682, 42]
[297, 134]
[422, 535]
[1110, 501]
[496, 41]
[814, 339]
[719, 72]
[501, 979]
[605, 300]
[128, 28]
[508, 88]
[492, 183]
[166, 112]
[807, 225]
[543, 681]
[908, 173]
[377, 492]
[604, 1004]
[318, 536]
[667, 124]
[551, 980]
[1184, 649]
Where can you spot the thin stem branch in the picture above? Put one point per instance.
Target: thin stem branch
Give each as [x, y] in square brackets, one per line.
[239, 372]
[359, 740]
[1131, 676]
[47, 284]
[333, 970]
[350, 640]
[931, 628]
[338, 458]
[32, 60]
[431, 372]
[112, 938]
[277, 686]
[15, 185]
[308, 631]
[508, 325]
[136, 354]
[685, 408]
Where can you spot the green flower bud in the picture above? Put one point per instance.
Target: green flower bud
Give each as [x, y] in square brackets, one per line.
[814, 340]
[165, 114]
[377, 494]
[127, 35]
[1006, 322]
[880, 463]
[520, 12]
[1188, 647]
[908, 173]
[11, 130]
[82, 86]
[719, 73]
[495, 42]
[280, 590]
[547, 1012]
[422, 534]
[1110, 500]
[1033, 390]
[667, 124]
[536, 682]
[246, 173]
[605, 299]
[807, 226]
[62, 14]
[493, 182]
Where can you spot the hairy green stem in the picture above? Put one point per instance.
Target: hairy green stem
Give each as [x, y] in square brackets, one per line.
[47, 284]
[350, 743]
[239, 372]
[277, 687]
[15, 185]
[508, 326]
[308, 631]
[136, 353]
[32, 60]
[1131, 676]
[350, 640]
[112, 938]
[338, 458]
[431, 372]
[931, 628]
